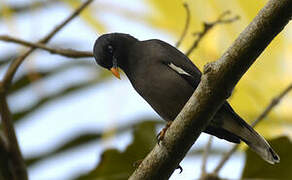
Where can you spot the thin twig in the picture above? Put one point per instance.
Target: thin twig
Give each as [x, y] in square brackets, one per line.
[18, 164]
[63, 52]
[205, 156]
[208, 26]
[275, 101]
[186, 25]
[16, 63]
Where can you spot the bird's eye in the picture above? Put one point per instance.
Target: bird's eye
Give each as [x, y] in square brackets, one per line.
[110, 49]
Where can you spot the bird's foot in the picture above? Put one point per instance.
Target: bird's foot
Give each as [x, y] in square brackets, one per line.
[161, 134]
[180, 169]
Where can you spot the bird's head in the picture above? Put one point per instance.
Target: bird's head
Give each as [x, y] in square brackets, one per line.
[110, 49]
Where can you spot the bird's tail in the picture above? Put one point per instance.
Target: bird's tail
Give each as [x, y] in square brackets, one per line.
[257, 143]
[236, 125]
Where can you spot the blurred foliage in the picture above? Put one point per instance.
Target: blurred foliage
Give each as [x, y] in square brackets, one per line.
[116, 165]
[86, 137]
[256, 168]
[21, 8]
[266, 78]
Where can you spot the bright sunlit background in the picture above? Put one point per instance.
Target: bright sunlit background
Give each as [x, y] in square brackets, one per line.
[64, 100]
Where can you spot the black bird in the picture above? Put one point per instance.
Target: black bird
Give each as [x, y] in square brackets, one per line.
[166, 79]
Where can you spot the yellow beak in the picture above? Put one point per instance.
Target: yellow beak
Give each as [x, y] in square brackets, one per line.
[115, 72]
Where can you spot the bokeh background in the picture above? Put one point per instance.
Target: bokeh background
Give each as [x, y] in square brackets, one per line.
[74, 120]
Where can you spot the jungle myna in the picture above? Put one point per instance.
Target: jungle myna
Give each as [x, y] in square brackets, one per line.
[166, 79]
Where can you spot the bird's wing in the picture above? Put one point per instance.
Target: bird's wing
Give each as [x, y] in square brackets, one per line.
[180, 63]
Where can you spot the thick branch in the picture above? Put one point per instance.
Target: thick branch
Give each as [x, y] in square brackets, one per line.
[62, 52]
[217, 83]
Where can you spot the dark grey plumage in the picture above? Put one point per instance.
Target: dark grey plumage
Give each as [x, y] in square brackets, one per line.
[166, 79]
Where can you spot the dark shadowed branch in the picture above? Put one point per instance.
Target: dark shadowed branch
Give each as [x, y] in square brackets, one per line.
[275, 101]
[17, 162]
[217, 82]
[19, 169]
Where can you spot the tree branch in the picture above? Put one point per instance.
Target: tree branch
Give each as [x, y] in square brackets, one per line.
[19, 169]
[16, 63]
[275, 101]
[17, 161]
[205, 156]
[186, 26]
[217, 83]
[63, 52]
[207, 26]
[6, 172]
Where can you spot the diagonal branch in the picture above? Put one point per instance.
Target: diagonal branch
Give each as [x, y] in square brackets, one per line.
[16, 63]
[63, 52]
[217, 83]
[275, 101]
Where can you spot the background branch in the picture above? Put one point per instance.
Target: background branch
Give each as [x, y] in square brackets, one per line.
[186, 25]
[16, 63]
[205, 156]
[18, 165]
[63, 52]
[217, 83]
[6, 172]
[275, 101]
[207, 26]
[19, 169]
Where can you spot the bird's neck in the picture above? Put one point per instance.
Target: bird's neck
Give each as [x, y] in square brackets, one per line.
[126, 45]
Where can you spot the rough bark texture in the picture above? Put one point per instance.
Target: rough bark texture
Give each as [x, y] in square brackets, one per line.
[218, 80]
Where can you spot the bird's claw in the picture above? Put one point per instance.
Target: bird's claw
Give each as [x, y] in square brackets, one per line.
[161, 134]
[180, 169]
[136, 164]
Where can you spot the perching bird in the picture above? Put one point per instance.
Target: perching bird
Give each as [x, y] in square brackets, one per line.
[166, 79]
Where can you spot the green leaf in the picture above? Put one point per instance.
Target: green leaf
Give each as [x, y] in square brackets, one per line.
[255, 167]
[115, 165]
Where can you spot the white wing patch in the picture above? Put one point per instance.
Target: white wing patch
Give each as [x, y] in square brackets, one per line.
[178, 69]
